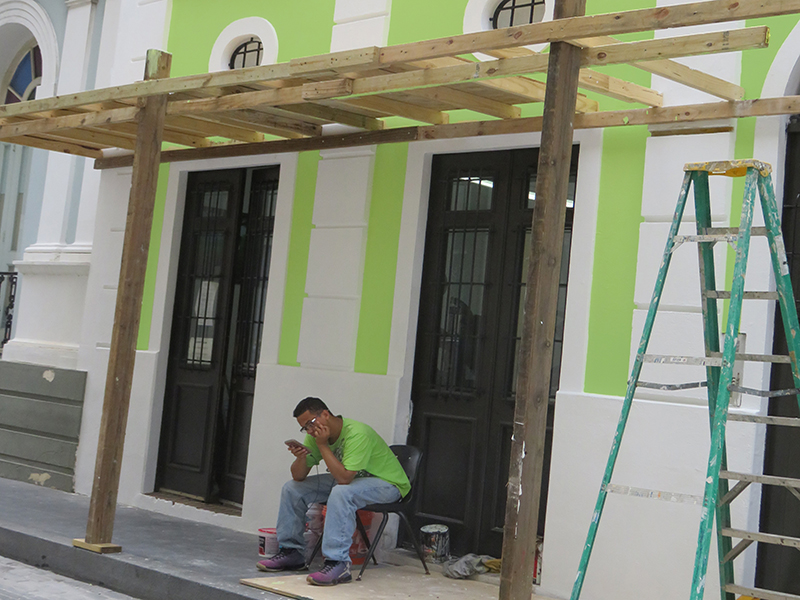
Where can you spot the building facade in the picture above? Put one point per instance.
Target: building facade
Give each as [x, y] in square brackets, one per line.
[387, 280]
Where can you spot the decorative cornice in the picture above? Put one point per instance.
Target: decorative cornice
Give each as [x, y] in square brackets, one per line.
[78, 3]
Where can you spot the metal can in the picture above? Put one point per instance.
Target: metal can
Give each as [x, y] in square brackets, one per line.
[436, 542]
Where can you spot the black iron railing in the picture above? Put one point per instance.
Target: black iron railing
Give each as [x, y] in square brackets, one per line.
[8, 295]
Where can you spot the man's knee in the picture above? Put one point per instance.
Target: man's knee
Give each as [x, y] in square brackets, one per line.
[291, 488]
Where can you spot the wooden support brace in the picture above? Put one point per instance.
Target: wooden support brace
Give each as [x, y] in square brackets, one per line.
[526, 467]
[122, 354]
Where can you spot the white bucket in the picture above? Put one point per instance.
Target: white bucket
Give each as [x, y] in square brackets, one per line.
[267, 541]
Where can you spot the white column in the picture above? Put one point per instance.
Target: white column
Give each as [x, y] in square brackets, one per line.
[53, 288]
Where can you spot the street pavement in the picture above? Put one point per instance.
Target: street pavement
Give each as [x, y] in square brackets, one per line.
[19, 581]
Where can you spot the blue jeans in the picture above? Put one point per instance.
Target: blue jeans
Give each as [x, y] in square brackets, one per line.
[340, 517]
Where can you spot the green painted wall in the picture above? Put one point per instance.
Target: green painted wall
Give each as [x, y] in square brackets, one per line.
[303, 29]
[149, 297]
[380, 267]
[297, 261]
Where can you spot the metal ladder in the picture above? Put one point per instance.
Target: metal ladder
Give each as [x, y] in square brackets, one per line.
[719, 368]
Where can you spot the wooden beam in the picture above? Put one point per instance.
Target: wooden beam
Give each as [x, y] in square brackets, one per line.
[271, 123]
[763, 107]
[526, 467]
[348, 140]
[392, 107]
[122, 355]
[675, 71]
[337, 62]
[330, 112]
[75, 149]
[119, 115]
[207, 128]
[458, 100]
[648, 19]
[618, 88]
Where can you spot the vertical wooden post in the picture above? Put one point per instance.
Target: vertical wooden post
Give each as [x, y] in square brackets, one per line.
[541, 298]
[146, 161]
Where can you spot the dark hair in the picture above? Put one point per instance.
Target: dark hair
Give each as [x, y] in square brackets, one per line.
[310, 404]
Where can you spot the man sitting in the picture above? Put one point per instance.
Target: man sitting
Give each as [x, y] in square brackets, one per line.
[362, 470]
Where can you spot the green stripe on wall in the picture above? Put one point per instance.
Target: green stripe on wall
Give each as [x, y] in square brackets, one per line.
[380, 266]
[149, 297]
[297, 261]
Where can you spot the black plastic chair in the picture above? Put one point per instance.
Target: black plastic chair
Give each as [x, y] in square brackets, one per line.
[409, 458]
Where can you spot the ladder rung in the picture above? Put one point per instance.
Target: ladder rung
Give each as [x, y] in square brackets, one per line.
[766, 538]
[771, 358]
[758, 593]
[760, 231]
[714, 359]
[763, 393]
[626, 490]
[672, 387]
[767, 420]
[667, 359]
[726, 295]
[764, 479]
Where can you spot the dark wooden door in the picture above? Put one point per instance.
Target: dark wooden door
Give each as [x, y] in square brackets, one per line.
[465, 365]
[778, 567]
[216, 333]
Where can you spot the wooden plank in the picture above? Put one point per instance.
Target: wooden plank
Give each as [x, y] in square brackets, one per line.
[39, 416]
[458, 99]
[98, 139]
[334, 114]
[620, 89]
[601, 83]
[689, 45]
[122, 354]
[34, 141]
[678, 72]
[662, 17]
[765, 420]
[270, 123]
[98, 548]
[350, 140]
[787, 105]
[292, 95]
[332, 88]
[526, 463]
[119, 115]
[389, 107]
[197, 126]
[336, 62]
[787, 482]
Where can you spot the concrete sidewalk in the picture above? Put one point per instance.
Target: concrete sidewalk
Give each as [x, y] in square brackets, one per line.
[162, 557]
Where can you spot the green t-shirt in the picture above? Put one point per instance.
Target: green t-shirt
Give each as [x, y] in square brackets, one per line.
[360, 449]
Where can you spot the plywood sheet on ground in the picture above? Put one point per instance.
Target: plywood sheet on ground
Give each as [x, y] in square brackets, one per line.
[386, 582]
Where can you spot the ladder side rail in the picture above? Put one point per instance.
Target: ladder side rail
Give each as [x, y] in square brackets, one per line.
[780, 266]
[717, 447]
[634, 378]
[705, 250]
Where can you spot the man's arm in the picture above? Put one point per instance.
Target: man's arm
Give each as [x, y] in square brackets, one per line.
[299, 468]
[340, 474]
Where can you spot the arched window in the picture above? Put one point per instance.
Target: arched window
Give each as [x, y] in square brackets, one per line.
[247, 54]
[517, 12]
[26, 77]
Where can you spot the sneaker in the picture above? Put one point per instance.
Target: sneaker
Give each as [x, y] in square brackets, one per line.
[332, 573]
[287, 559]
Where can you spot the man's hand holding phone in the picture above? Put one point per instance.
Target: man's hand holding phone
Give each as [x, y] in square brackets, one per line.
[296, 448]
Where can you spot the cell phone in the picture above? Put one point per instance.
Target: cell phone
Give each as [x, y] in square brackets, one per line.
[292, 443]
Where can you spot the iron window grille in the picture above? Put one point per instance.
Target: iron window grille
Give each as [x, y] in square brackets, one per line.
[247, 54]
[517, 12]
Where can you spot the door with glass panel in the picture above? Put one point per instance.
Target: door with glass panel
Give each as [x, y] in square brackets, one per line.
[477, 242]
[217, 324]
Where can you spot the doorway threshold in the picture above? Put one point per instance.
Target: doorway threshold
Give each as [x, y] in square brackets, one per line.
[227, 508]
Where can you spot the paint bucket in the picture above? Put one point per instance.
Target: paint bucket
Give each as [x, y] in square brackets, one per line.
[267, 541]
[436, 542]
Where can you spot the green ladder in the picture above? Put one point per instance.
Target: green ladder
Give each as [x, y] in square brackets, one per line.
[719, 367]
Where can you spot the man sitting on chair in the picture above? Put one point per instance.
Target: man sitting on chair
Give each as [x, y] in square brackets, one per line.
[362, 470]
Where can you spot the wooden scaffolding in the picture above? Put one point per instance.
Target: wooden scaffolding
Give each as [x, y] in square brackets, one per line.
[285, 108]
